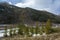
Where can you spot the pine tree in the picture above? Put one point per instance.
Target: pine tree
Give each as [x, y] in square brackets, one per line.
[48, 26]
[37, 28]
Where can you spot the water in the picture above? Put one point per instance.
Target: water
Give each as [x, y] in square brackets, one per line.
[2, 32]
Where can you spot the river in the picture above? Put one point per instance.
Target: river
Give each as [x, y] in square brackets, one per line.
[2, 32]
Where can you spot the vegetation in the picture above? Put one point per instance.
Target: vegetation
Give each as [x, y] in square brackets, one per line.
[32, 30]
[55, 36]
[55, 30]
[20, 31]
[5, 32]
[25, 30]
[11, 31]
[48, 26]
[10, 14]
[14, 31]
[37, 28]
[42, 28]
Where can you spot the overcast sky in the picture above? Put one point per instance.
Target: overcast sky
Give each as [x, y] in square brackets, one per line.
[48, 5]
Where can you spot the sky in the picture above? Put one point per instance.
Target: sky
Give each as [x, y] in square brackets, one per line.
[52, 6]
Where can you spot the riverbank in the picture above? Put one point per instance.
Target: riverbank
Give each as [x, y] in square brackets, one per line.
[54, 36]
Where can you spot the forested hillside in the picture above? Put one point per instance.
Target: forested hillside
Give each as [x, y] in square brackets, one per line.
[10, 14]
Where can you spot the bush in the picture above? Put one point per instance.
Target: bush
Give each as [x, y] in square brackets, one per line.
[55, 30]
[21, 27]
[5, 35]
[14, 31]
[10, 31]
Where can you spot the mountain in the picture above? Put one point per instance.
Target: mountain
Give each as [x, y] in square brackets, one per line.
[10, 14]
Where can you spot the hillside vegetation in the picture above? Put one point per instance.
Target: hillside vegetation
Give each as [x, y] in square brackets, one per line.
[10, 14]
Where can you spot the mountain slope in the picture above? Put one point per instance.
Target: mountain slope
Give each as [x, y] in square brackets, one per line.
[10, 14]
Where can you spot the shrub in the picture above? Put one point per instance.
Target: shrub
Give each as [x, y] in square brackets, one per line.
[10, 31]
[32, 30]
[5, 35]
[14, 31]
[21, 27]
